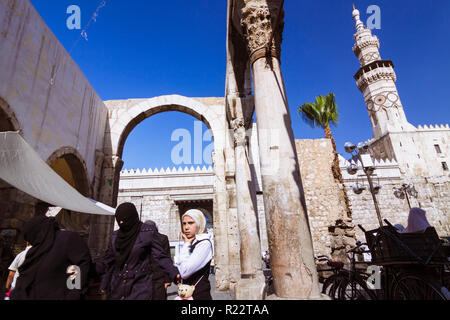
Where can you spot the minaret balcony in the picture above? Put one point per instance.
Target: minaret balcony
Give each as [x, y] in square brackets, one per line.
[375, 71]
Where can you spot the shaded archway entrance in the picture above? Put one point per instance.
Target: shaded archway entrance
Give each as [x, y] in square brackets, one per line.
[69, 165]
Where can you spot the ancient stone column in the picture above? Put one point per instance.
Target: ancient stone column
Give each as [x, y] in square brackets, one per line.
[290, 243]
[252, 279]
[221, 245]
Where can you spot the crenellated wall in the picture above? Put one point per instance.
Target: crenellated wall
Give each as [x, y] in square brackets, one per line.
[415, 151]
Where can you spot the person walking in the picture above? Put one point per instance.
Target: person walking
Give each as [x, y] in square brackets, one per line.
[14, 268]
[44, 273]
[126, 267]
[194, 254]
[6, 257]
[161, 280]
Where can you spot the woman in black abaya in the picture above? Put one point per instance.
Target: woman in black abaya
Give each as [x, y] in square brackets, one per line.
[43, 275]
[126, 267]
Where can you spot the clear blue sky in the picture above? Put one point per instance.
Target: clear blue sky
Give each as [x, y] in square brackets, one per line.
[142, 49]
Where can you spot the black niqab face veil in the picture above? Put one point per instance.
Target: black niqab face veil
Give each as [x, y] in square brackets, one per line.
[40, 233]
[127, 218]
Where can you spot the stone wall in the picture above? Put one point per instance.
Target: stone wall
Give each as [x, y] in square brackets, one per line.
[434, 198]
[330, 227]
[48, 99]
[16, 208]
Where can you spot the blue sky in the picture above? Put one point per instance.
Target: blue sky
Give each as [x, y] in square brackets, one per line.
[143, 49]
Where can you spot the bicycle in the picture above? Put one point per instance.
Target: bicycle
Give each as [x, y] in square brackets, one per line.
[331, 283]
[353, 285]
[347, 284]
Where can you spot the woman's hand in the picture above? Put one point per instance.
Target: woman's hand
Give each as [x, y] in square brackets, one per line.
[185, 238]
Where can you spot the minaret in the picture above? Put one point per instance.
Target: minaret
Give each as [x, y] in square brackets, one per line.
[376, 80]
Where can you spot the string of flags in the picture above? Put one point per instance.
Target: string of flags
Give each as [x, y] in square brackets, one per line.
[83, 35]
[93, 18]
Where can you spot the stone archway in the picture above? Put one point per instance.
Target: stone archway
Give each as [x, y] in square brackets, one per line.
[124, 118]
[125, 115]
[68, 163]
[77, 165]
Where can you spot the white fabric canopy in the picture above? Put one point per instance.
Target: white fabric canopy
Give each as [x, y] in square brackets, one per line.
[23, 168]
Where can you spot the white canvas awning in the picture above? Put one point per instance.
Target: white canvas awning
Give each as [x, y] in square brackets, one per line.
[23, 168]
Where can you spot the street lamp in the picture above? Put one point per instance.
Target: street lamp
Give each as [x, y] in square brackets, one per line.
[360, 154]
[405, 190]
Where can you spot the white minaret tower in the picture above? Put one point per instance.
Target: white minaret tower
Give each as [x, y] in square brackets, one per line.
[376, 80]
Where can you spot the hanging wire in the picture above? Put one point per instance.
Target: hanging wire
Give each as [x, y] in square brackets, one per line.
[83, 34]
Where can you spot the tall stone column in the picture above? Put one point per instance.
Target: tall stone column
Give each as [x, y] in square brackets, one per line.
[252, 279]
[290, 243]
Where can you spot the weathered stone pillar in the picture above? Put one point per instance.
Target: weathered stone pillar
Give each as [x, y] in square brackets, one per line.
[102, 226]
[290, 243]
[252, 279]
[221, 256]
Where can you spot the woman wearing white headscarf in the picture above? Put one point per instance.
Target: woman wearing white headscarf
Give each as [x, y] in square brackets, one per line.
[417, 221]
[193, 256]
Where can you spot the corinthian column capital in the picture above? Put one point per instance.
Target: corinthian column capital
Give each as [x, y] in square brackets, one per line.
[261, 32]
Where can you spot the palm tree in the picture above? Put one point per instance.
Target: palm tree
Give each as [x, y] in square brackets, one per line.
[323, 113]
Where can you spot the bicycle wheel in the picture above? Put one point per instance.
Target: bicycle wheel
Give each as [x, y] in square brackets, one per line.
[355, 289]
[331, 285]
[411, 286]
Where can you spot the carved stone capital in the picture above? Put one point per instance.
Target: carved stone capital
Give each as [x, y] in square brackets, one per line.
[259, 18]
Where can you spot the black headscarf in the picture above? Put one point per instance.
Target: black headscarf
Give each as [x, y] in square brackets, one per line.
[40, 233]
[152, 223]
[128, 232]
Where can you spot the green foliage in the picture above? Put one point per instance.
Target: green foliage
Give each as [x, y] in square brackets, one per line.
[321, 113]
